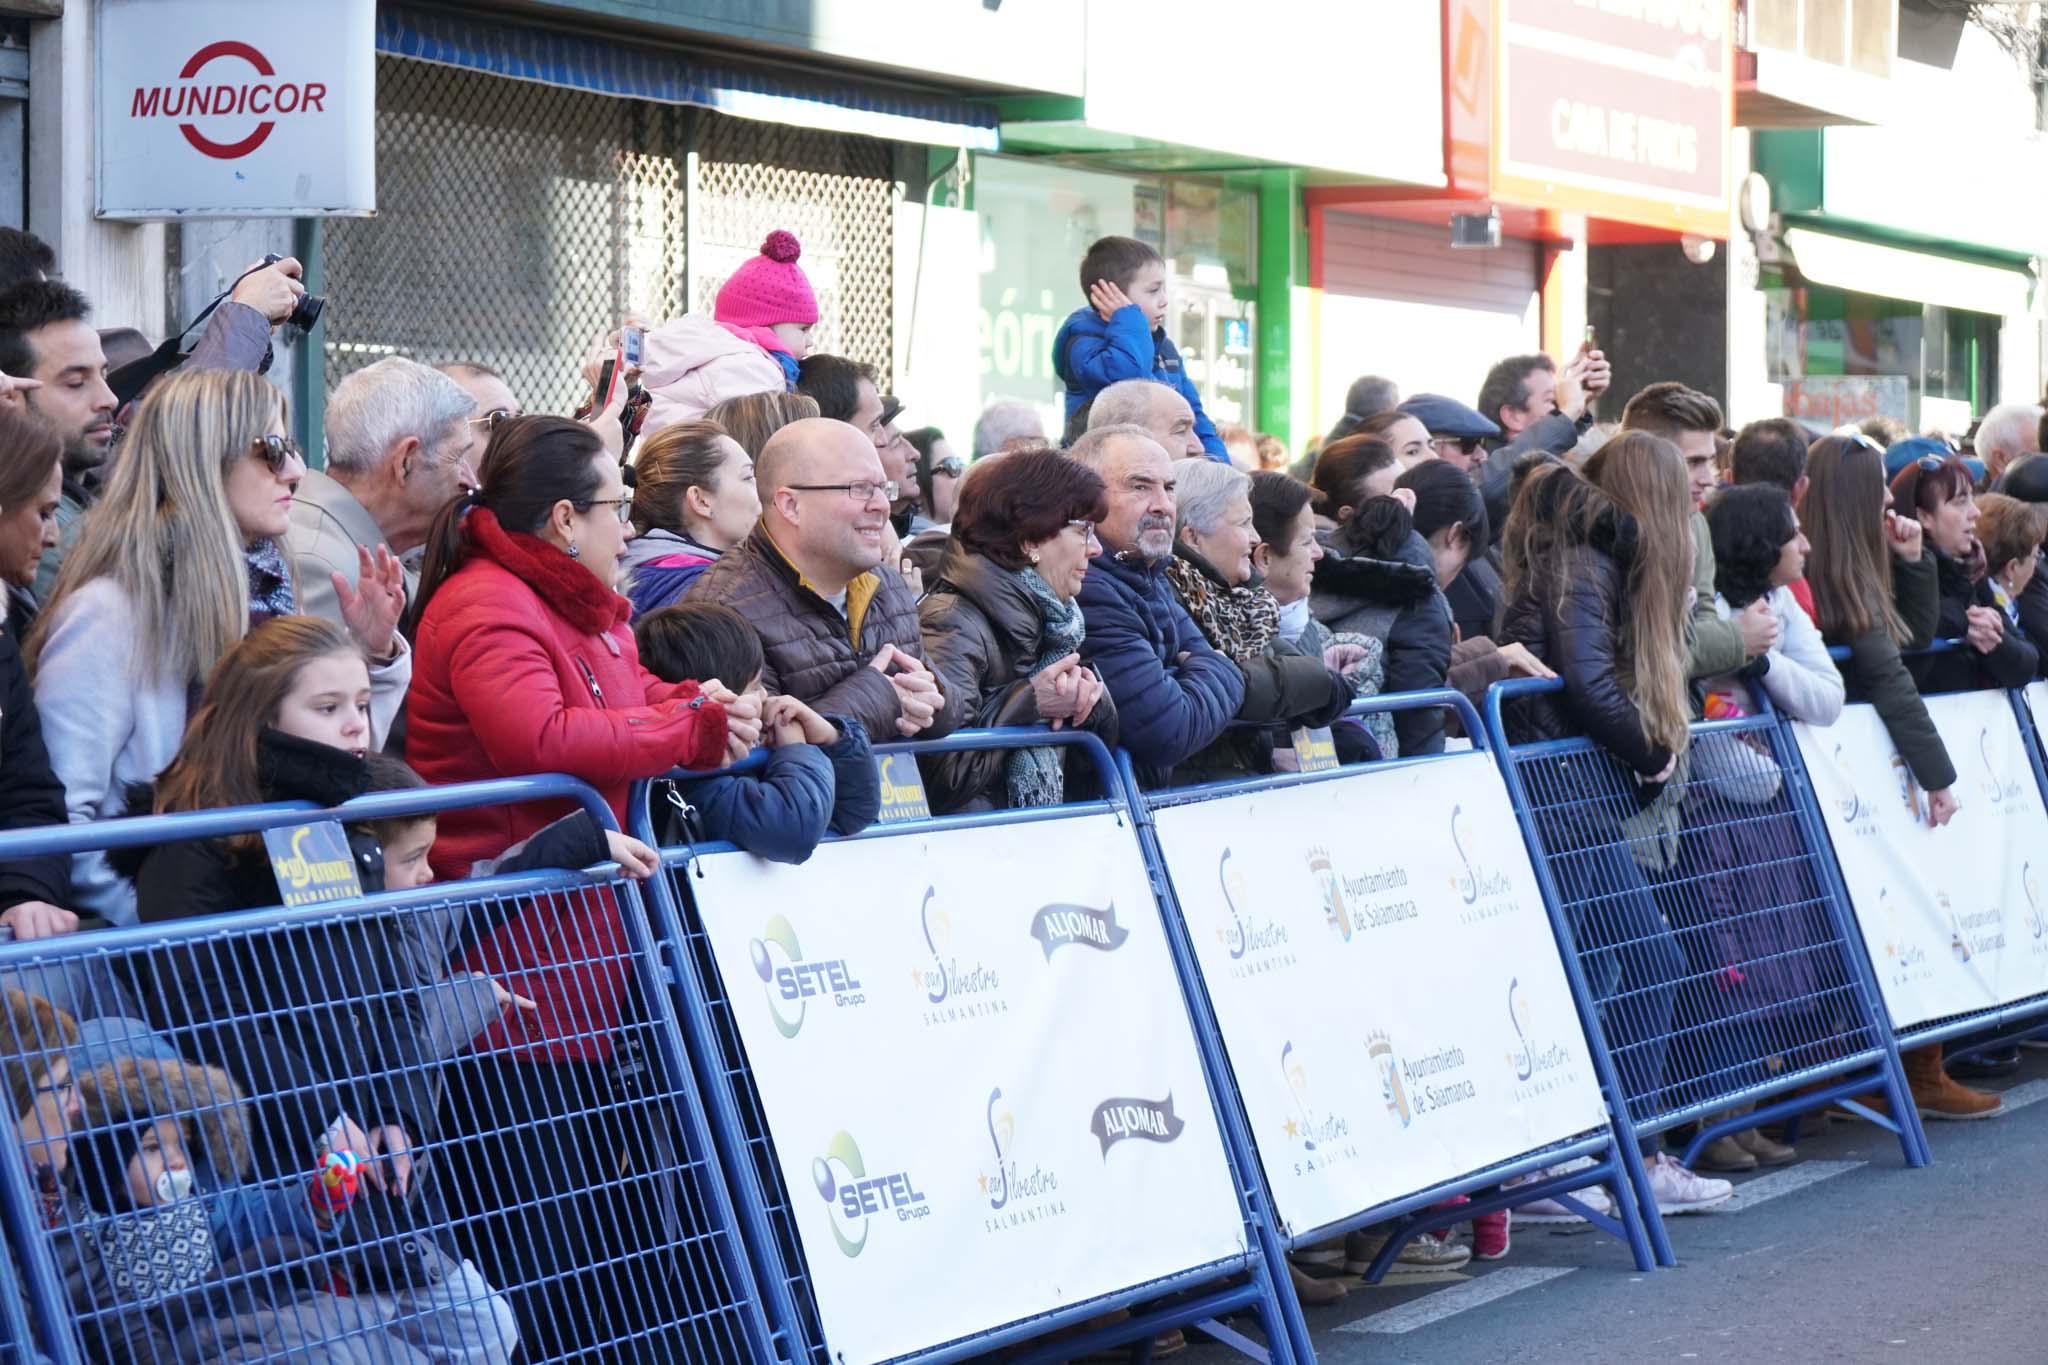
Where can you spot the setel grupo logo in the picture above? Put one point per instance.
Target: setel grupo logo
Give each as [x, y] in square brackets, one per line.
[1255, 944]
[855, 1198]
[953, 990]
[792, 983]
[212, 84]
[1015, 1198]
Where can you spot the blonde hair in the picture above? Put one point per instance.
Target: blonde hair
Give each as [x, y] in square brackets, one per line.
[1646, 477]
[163, 531]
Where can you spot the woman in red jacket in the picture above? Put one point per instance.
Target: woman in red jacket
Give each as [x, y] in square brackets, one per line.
[524, 663]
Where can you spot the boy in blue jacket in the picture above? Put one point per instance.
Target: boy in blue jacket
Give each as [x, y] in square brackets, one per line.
[820, 774]
[1121, 334]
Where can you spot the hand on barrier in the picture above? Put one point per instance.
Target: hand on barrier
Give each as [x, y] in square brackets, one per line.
[1986, 630]
[334, 1186]
[1056, 689]
[789, 721]
[38, 919]
[1670, 767]
[1760, 629]
[1903, 535]
[371, 610]
[917, 691]
[1522, 664]
[1942, 807]
[635, 859]
[742, 716]
[508, 1000]
[273, 290]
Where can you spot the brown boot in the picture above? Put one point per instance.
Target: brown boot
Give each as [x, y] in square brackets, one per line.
[1314, 1291]
[1937, 1096]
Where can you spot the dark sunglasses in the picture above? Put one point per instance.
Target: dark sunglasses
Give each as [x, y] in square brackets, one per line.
[275, 451]
[1467, 445]
[952, 467]
[491, 420]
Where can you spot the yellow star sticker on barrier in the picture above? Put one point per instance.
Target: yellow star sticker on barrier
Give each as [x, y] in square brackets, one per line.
[982, 1181]
[917, 977]
[1293, 1129]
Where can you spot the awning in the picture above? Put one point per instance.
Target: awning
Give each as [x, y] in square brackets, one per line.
[636, 70]
[1895, 272]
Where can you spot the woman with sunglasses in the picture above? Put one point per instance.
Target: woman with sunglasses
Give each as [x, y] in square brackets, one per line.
[1876, 590]
[1936, 491]
[173, 565]
[1002, 629]
[938, 472]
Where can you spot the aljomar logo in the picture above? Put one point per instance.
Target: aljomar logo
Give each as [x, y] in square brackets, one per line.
[1255, 944]
[792, 983]
[1415, 1087]
[1118, 1118]
[955, 990]
[855, 1197]
[1015, 1198]
[1057, 925]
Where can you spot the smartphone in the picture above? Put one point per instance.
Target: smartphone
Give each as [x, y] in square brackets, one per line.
[631, 344]
[1592, 341]
[605, 379]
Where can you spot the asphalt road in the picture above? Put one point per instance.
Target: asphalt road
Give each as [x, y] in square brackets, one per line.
[1845, 1255]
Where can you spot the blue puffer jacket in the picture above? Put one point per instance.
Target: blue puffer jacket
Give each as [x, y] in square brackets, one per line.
[1173, 692]
[1089, 355]
[783, 811]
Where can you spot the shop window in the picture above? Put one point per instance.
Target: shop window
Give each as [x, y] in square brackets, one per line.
[1818, 336]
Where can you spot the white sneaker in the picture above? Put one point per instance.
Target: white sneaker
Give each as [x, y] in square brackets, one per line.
[1593, 1197]
[1677, 1190]
[1423, 1254]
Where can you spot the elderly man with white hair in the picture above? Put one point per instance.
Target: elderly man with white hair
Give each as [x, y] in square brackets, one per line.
[2007, 432]
[1007, 424]
[1156, 407]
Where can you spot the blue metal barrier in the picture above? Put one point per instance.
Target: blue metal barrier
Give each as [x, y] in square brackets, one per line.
[1485, 1191]
[351, 1007]
[1717, 949]
[1200, 1298]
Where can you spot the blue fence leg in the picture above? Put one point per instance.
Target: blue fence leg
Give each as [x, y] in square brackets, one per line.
[1905, 1114]
[1279, 1310]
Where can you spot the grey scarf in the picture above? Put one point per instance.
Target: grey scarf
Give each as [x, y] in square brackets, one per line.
[1037, 776]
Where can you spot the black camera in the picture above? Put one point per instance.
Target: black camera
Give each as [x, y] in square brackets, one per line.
[308, 310]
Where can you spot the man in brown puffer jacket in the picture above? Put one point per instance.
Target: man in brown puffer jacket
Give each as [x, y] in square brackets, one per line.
[839, 630]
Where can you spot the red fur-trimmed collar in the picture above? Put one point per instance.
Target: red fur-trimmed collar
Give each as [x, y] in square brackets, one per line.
[567, 587]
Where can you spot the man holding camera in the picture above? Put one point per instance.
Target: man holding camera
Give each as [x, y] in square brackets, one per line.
[45, 339]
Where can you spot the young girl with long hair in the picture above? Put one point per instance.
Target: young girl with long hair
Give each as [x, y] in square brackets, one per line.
[1598, 583]
[1876, 590]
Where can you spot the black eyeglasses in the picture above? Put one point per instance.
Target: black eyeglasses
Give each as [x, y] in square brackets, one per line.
[621, 507]
[490, 420]
[275, 451]
[860, 492]
[1467, 445]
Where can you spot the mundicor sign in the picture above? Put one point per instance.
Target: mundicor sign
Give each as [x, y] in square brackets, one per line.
[214, 108]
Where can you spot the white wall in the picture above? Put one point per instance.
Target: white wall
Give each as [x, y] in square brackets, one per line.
[119, 266]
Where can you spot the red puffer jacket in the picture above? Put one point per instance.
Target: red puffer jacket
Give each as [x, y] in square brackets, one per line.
[524, 664]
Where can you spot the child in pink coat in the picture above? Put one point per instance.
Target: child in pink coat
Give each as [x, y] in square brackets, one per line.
[759, 329]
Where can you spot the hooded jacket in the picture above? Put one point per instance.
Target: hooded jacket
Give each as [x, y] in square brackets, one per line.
[1397, 602]
[660, 567]
[984, 635]
[1089, 355]
[316, 1021]
[1571, 627]
[2013, 663]
[813, 653]
[693, 365]
[526, 665]
[1173, 692]
[781, 813]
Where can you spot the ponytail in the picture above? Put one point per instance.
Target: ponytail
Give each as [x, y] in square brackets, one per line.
[1378, 529]
[531, 464]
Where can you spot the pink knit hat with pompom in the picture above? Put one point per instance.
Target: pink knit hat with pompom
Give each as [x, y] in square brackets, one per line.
[768, 288]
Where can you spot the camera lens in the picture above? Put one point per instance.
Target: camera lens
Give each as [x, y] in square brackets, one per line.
[308, 311]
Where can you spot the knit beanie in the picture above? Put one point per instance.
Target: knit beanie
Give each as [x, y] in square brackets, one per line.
[768, 288]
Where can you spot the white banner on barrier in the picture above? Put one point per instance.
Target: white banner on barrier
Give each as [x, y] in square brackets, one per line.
[1954, 918]
[1393, 1001]
[979, 1073]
